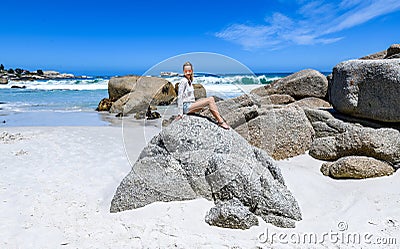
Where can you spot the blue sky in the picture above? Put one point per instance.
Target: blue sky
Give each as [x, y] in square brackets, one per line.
[120, 37]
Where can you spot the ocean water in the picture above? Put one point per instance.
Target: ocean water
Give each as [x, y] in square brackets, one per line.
[72, 102]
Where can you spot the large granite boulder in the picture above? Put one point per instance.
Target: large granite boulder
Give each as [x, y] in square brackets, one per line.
[324, 123]
[199, 91]
[193, 158]
[283, 131]
[305, 83]
[237, 111]
[144, 91]
[367, 89]
[382, 144]
[119, 86]
[356, 167]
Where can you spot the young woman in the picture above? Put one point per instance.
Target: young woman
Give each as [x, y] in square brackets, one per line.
[186, 100]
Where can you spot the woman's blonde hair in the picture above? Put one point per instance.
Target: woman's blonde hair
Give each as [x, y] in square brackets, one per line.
[191, 66]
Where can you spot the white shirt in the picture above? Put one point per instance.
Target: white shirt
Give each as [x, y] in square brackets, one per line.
[185, 94]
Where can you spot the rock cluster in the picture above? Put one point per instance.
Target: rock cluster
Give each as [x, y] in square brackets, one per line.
[336, 139]
[21, 74]
[134, 94]
[270, 118]
[363, 134]
[358, 135]
[360, 92]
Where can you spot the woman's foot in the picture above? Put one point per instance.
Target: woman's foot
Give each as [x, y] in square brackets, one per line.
[224, 125]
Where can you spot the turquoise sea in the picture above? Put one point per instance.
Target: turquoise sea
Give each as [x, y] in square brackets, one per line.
[72, 102]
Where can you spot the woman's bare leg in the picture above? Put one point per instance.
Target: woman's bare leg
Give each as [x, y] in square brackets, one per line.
[210, 102]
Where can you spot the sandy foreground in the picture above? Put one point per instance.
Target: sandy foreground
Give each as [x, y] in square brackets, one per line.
[56, 185]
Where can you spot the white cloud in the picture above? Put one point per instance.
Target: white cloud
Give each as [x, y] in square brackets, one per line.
[248, 36]
[316, 9]
[314, 22]
[350, 3]
[362, 15]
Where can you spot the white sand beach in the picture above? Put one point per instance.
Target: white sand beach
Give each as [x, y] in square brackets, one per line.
[57, 183]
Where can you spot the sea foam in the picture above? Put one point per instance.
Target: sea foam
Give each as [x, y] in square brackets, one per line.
[67, 84]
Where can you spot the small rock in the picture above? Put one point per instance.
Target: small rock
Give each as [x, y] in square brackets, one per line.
[104, 105]
[152, 115]
[3, 81]
[167, 122]
[393, 50]
[6, 137]
[231, 214]
[277, 99]
[375, 56]
[312, 102]
[356, 167]
[21, 152]
[140, 115]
